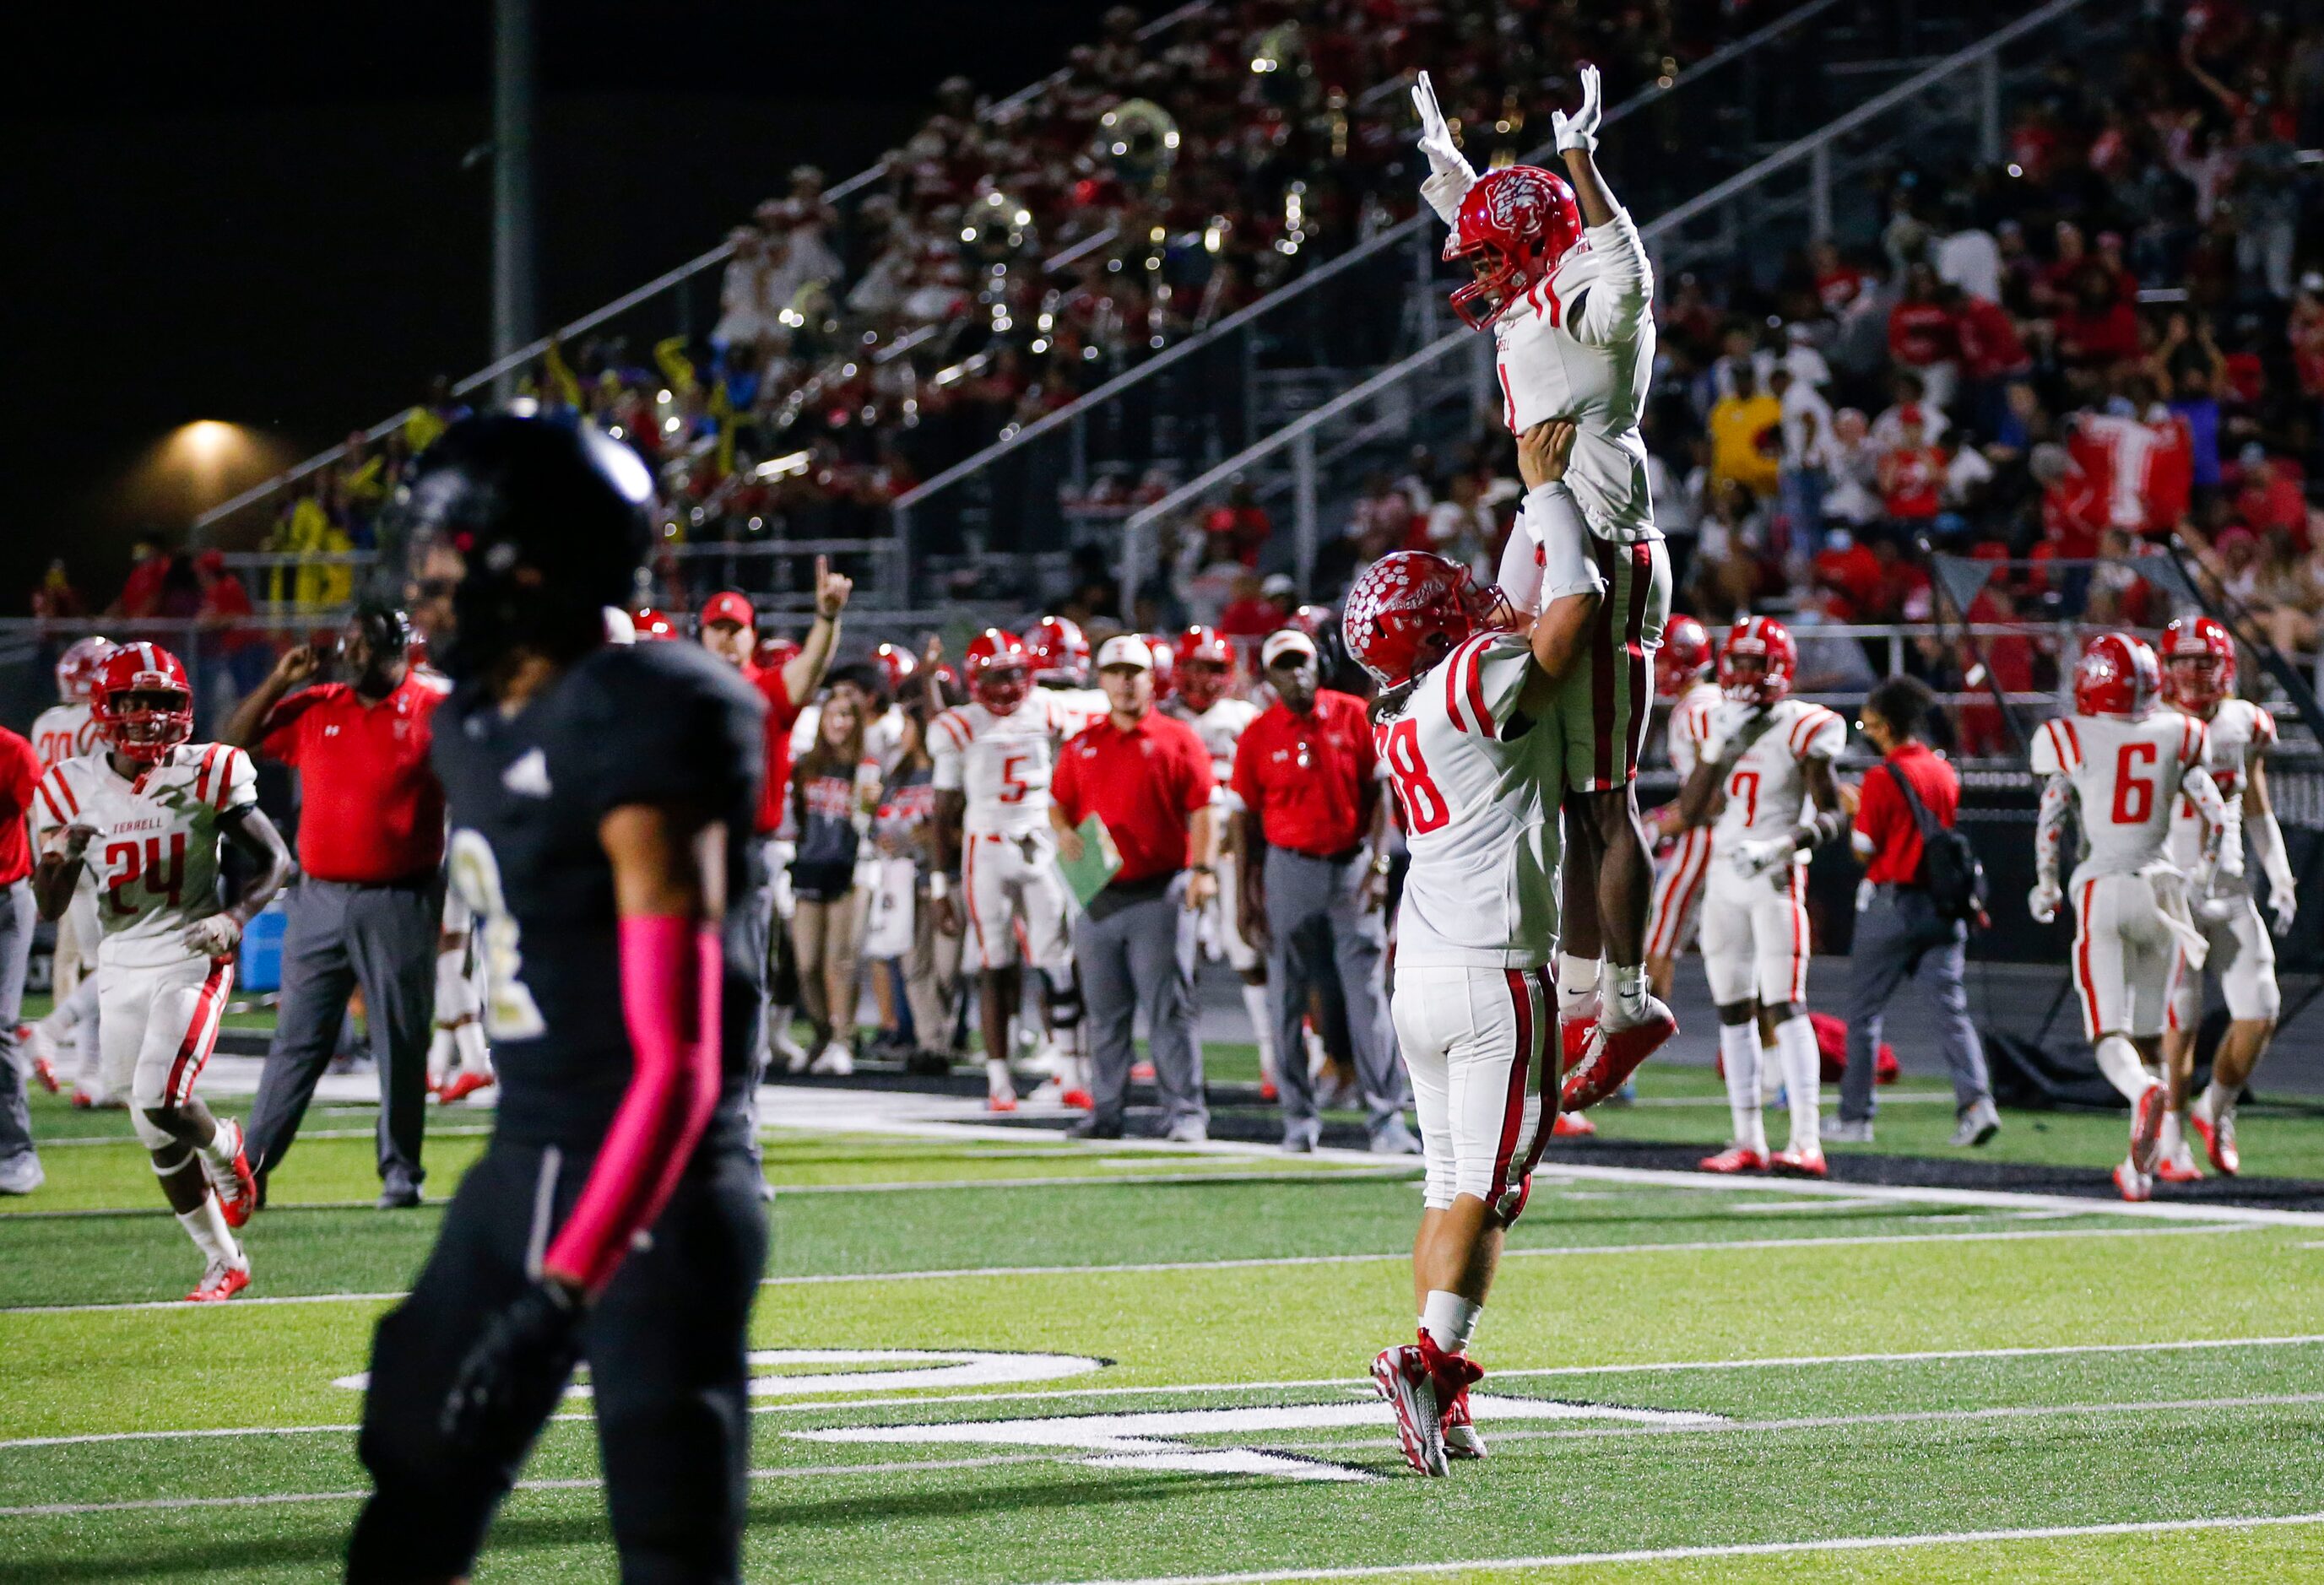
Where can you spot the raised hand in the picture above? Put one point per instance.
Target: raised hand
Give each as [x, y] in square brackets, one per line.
[1579, 129]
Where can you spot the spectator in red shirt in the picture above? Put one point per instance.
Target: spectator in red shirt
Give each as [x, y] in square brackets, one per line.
[1921, 335]
[1852, 572]
[2270, 496]
[1256, 610]
[1314, 878]
[1147, 777]
[1912, 476]
[1238, 529]
[729, 630]
[368, 907]
[224, 620]
[20, 770]
[1899, 933]
[149, 571]
[2098, 327]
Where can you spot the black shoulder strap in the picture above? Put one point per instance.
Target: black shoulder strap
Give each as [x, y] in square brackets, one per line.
[1920, 817]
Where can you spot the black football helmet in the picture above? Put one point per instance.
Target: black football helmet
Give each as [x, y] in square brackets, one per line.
[517, 533]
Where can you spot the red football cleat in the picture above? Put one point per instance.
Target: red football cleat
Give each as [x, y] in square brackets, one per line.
[1616, 1056]
[2219, 1142]
[2179, 1168]
[1572, 1125]
[2146, 1126]
[1573, 1039]
[220, 1282]
[1454, 1375]
[1000, 1101]
[1403, 1379]
[237, 1190]
[32, 1037]
[462, 1085]
[1267, 1092]
[1077, 1100]
[1461, 1438]
[82, 1100]
[1735, 1159]
[1805, 1162]
[2134, 1185]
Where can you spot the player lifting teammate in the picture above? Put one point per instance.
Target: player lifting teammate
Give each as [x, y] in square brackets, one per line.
[994, 756]
[1563, 282]
[1764, 782]
[1468, 728]
[144, 817]
[600, 798]
[2198, 677]
[2124, 764]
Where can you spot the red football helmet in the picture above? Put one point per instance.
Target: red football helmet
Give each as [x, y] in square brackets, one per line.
[142, 703]
[1206, 661]
[2117, 676]
[1759, 661]
[772, 654]
[998, 670]
[1408, 610]
[1682, 660]
[898, 666]
[1512, 228]
[1315, 621]
[1165, 665]
[77, 669]
[2199, 663]
[652, 626]
[1059, 652]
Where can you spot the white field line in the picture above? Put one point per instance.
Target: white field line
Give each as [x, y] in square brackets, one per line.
[966, 1273]
[582, 1483]
[131, 1140]
[1539, 1373]
[1838, 1543]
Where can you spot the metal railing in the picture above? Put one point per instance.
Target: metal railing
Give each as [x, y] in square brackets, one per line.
[1404, 402]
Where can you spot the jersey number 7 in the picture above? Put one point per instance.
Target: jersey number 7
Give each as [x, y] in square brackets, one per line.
[1424, 809]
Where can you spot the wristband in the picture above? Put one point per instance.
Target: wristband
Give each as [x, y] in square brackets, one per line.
[939, 886]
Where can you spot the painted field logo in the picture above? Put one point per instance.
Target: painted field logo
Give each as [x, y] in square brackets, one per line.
[1156, 1439]
[787, 1372]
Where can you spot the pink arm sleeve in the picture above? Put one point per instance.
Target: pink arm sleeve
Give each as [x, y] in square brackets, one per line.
[671, 970]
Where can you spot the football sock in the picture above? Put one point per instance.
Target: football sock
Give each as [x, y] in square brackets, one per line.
[219, 1151]
[1449, 1320]
[1630, 995]
[996, 1076]
[1773, 1086]
[439, 1056]
[2173, 1138]
[2119, 1060]
[1577, 985]
[1262, 1027]
[1738, 1049]
[469, 1040]
[206, 1225]
[1796, 1044]
[2217, 1102]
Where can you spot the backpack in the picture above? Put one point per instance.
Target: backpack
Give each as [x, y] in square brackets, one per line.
[1949, 865]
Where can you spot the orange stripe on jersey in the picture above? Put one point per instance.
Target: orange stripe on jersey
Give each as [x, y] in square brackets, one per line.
[1452, 690]
[2072, 760]
[226, 776]
[202, 776]
[48, 796]
[1473, 670]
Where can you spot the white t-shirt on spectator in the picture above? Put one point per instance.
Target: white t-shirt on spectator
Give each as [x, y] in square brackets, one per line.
[1854, 496]
[1971, 260]
[1807, 426]
[1888, 428]
[1964, 473]
[1677, 505]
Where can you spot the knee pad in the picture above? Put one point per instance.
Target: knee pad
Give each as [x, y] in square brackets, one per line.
[1061, 993]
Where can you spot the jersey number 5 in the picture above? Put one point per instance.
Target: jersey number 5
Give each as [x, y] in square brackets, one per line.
[1013, 787]
[510, 1011]
[2134, 796]
[1424, 809]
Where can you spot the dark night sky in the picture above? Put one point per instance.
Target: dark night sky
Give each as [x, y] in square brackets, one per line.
[242, 214]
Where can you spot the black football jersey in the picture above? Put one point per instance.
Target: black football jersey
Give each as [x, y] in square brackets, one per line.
[643, 723]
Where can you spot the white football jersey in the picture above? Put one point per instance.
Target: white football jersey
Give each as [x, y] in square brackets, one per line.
[1479, 812]
[154, 858]
[1689, 724]
[1581, 344]
[63, 731]
[2240, 733]
[1767, 783]
[1220, 727]
[2126, 777]
[1082, 708]
[1000, 763]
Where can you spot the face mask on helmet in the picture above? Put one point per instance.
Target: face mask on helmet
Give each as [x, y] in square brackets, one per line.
[2193, 681]
[1202, 684]
[1001, 688]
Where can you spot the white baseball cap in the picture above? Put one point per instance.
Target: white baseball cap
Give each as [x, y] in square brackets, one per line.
[1125, 649]
[1284, 641]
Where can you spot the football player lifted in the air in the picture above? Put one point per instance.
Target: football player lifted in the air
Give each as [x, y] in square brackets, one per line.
[1764, 784]
[1468, 728]
[1563, 284]
[144, 815]
[2126, 764]
[2198, 677]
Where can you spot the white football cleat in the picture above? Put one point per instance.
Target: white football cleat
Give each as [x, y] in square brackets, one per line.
[834, 1058]
[1402, 1377]
[2135, 1185]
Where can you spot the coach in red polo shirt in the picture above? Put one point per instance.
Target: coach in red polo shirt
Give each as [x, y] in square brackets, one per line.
[19, 769]
[1313, 878]
[1147, 777]
[729, 630]
[369, 900]
[1899, 934]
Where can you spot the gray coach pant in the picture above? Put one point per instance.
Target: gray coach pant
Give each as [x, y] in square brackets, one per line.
[1317, 921]
[1900, 936]
[339, 935]
[1133, 953]
[15, 952]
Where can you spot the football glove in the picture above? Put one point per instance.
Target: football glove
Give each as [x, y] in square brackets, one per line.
[1449, 174]
[514, 1374]
[2284, 906]
[1759, 855]
[2043, 901]
[1579, 129]
[213, 937]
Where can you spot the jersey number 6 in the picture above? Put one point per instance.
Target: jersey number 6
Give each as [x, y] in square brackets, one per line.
[1424, 809]
[2134, 796]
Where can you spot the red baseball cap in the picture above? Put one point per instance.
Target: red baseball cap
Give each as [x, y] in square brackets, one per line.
[726, 605]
